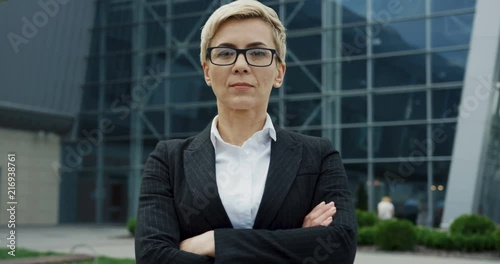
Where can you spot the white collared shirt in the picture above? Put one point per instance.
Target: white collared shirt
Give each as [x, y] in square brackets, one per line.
[241, 173]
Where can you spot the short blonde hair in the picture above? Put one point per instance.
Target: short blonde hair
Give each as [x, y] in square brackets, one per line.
[243, 9]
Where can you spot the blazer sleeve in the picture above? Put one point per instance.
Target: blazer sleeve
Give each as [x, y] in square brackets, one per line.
[157, 228]
[335, 243]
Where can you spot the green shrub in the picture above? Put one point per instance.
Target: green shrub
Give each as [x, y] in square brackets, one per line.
[473, 242]
[131, 226]
[366, 235]
[472, 224]
[366, 218]
[496, 238]
[395, 234]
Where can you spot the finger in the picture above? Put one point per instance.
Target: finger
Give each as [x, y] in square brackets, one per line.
[327, 214]
[319, 210]
[327, 221]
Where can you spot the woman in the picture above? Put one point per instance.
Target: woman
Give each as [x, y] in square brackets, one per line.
[244, 191]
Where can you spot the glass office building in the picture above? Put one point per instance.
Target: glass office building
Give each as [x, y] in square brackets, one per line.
[383, 79]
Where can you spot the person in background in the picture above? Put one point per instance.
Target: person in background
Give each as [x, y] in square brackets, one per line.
[385, 208]
[245, 190]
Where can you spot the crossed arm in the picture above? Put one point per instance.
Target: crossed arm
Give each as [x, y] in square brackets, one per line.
[320, 240]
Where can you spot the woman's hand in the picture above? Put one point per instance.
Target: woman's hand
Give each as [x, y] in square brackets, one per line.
[321, 215]
[203, 244]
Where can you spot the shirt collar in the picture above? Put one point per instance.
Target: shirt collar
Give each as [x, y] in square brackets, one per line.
[268, 131]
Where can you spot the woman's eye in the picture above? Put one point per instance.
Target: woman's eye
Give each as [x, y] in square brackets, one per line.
[258, 53]
[225, 53]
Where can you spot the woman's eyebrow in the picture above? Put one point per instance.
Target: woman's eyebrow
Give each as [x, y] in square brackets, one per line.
[231, 45]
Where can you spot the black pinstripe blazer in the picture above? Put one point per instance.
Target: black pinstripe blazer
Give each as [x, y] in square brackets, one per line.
[179, 200]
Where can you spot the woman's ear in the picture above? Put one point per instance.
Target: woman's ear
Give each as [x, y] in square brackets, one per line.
[281, 69]
[205, 73]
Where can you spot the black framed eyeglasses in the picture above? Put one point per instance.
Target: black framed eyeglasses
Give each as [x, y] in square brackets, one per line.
[225, 56]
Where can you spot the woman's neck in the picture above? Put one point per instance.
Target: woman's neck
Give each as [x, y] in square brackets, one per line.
[237, 126]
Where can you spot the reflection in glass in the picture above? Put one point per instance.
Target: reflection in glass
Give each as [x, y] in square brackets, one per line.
[448, 5]
[445, 103]
[399, 106]
[354, 41]
[443, 138]
[303, 113]
[354, 143]
[399, 141]
[185, 120]
[353, 11]
[409, 35]
[399, 71]
[354, 75]
[406, 183]
[386, 10]
[354, 109]
[451, 30]
[440, 169]
[449, 66]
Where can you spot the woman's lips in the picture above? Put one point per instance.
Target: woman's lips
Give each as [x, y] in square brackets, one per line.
[241, 86]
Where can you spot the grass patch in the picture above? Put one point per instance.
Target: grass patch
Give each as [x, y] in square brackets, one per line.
[23, 253]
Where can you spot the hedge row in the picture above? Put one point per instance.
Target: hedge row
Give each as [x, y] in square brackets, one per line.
[469, 233]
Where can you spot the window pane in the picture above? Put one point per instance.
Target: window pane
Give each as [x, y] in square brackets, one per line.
[304, 79]
[117, 153]
[399, 71]
[451, 30]
[406, 184]
[117, 97]
[181, 7]
[439, 187]
[153, 123]
[305, 48]
[354, 75]
[303, 113]
[448, 5]
[449, 66]
[353, 11]
[118, 39]
[148, 146]
[120, 15]
[155, 34]
[400, 106]
[116, 125]
[187, 29]
[354, 143]
[189, 62]
[354, 109]
[386, 10]
[191, 119]
[357, 174]
[398, 141]
[299, 15]
[118, 67]
[354, 41]
[188, 89]
[399, 36]
[445, 103]
[90, 97]
[443, 136]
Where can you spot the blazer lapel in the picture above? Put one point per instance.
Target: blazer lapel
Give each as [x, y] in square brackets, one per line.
[199, 169]
[286, 156]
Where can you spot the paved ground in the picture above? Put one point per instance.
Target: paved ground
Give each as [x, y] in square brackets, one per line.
[114, 242]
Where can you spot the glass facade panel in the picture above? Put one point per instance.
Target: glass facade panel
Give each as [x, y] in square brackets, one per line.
[357, 174]
[406, 183]
[449, 66]
[386, 10]
[155, 35]
[399, 106]
[439, 186]
[118, 39]
[398, 141]
[451, 30]
[353, 41]
[445, 103]
[299, 15]
[449, 5]
[353, 75]
[297, 46]
[352, 11]
[354, 143]
[443, 136]
[117, 96]
[399, 71]
[118, 67]
[116, 153]
[354, 109]
[116, 125]
[90, 98]
[303, 113]
[153, 123]
[303, 79]
[188, 89]
[399, 36]
[186, 120]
